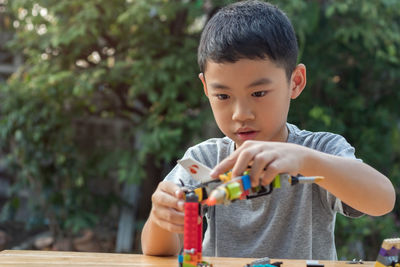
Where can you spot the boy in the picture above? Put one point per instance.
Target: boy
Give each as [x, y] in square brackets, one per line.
[247, 57]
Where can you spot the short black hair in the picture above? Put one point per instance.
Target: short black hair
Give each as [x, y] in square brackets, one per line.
[249, 29]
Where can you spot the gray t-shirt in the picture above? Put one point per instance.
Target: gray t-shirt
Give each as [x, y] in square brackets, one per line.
[294, 222]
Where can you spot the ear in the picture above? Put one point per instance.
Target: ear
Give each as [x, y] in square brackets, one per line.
[203, 80]
[298, 81]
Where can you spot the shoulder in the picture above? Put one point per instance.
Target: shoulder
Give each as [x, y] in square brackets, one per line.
[322, 141]
[211, 151]
[212, 144]
[312, 138]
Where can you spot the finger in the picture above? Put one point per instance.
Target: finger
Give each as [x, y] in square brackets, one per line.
[169, 201]
[169, 215]
[271, 171]
[179, 193]
[245, 158]
[260, 161]
[174, 190]
[171, 189]
[161, 198]
[224, 166]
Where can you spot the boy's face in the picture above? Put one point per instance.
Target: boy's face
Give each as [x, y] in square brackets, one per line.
[250, 99]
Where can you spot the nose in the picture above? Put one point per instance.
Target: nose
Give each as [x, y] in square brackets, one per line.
[243, 111]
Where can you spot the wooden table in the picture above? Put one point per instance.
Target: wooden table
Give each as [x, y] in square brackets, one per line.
[30, 258]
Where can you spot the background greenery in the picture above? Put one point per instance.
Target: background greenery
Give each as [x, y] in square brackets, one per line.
[132, 65]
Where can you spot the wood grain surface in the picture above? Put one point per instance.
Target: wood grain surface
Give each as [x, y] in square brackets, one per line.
[30, 258]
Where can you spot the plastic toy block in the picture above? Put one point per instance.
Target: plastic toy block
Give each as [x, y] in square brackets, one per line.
[192, 198]
[234, 190]
[261, 261]
[264, 262]
[226, 177]
[276, 183]
[191, 227]
[244, 194]
[391, 243]
[199, 193]
[389, 253]
[246, 182]
[313, 263]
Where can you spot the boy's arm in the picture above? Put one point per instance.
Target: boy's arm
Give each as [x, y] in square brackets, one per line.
[354, 183]
[161, 232]
[157, 241]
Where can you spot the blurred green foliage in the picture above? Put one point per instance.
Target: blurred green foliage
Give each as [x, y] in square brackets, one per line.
[136, 61]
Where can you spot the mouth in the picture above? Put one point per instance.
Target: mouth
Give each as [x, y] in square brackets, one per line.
[246, 134]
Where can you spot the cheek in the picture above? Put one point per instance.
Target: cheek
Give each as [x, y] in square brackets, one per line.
[221, 114]
[274, 110]
[218, 107]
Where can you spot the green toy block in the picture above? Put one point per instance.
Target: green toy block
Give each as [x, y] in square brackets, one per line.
[276, 183]
[234, 190]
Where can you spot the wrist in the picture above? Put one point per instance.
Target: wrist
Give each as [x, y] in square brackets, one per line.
[310, 158]
[153, 220]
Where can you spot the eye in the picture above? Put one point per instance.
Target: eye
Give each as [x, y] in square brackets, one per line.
[259, 93]
[222, 96]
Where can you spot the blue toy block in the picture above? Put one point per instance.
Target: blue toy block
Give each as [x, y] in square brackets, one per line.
[246, 182]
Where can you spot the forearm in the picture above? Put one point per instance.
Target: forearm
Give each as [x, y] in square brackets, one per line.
[157, 241]
[355, 183]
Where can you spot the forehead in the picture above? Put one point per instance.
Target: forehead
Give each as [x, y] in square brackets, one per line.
[244, 71]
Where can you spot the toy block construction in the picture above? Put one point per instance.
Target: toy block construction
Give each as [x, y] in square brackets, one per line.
[389, 253]
[223, 190]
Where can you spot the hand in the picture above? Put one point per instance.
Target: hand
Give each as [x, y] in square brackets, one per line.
[267, 159]
[168, 207]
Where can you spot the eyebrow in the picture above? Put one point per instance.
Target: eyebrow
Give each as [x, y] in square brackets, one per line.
[262, 81]
[219, 86]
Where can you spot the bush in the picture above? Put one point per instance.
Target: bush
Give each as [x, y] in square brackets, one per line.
[128, 62]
